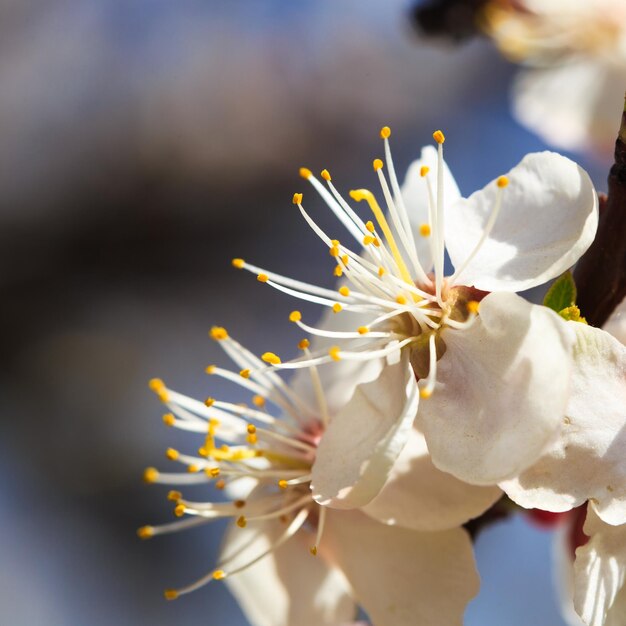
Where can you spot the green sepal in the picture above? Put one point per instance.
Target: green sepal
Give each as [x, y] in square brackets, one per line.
[562, 293]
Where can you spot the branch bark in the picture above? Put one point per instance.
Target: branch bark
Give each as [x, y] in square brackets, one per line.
[600, 274]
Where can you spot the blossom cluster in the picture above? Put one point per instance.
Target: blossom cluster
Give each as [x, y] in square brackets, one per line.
[418, 401]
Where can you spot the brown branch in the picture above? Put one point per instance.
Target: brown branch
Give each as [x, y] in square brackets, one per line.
[601, 273]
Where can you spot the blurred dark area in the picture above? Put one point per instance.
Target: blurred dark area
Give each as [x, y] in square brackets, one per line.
[453, 20]
[144, 144]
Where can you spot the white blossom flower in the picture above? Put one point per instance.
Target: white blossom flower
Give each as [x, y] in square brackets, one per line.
[596, 579]
[587, 461]
[287, 558]
[572, 93]
[494, 370]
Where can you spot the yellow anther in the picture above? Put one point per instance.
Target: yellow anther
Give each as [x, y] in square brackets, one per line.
[169, 419]
[378, 164]
[370, 226]
[335, 242]
[305, 172]
[156, 384]
[425, 230]
[245, 373]
[202, 451]
[238, 263]
[502, 182]
[313, 550]
[210, 369]
[174, 495]
[381, 271]
[325, 174]
[192, 469]
[425, 393]
[262, 278]
[338, 272]
[337, 307]
[376, 242]
[242, 522]
[334, 353]
[170, 594]
[401, 300]
[172, 454]
[282, 483]
[213, 472]
[209, 401]
[218, 574]
[439, 137]
[271, 358]
[179, 510]
[218, 333]
[251, 439]
[151, 475]
[251, 428]
[220, 484]
[363, 330]
[368, 239]
[344, 291]
[145, 532]
[304, 344]
[295, 316]
[385, 132]
[344, 259]
[239, 504]
[424, 170]
[333, 251]
[473, 306]
[258, 401]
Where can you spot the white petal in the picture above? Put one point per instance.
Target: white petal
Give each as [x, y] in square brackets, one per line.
[419, 496]
[415, 196]
[288, 586]
[338, 379]
[600, 574]
[588, 460]
[502, 390]
[402, 577]
[616, 324]
[563, 558]
[575, 105]
[364, 439]
[548, 218]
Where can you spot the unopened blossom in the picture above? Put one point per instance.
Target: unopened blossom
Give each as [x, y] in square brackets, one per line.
[572, 90]
[494, 371]
[287, 558]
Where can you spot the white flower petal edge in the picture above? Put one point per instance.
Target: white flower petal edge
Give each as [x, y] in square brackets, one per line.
[419, 496]
[502, 389]
[588, 461]
[416, 201]
[563, 568]
[287, 586]
[411, 577]
[365, 438]
[547, 219]
[600, 574]
[616, 324]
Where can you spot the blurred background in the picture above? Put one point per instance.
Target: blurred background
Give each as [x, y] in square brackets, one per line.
[143, 144]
